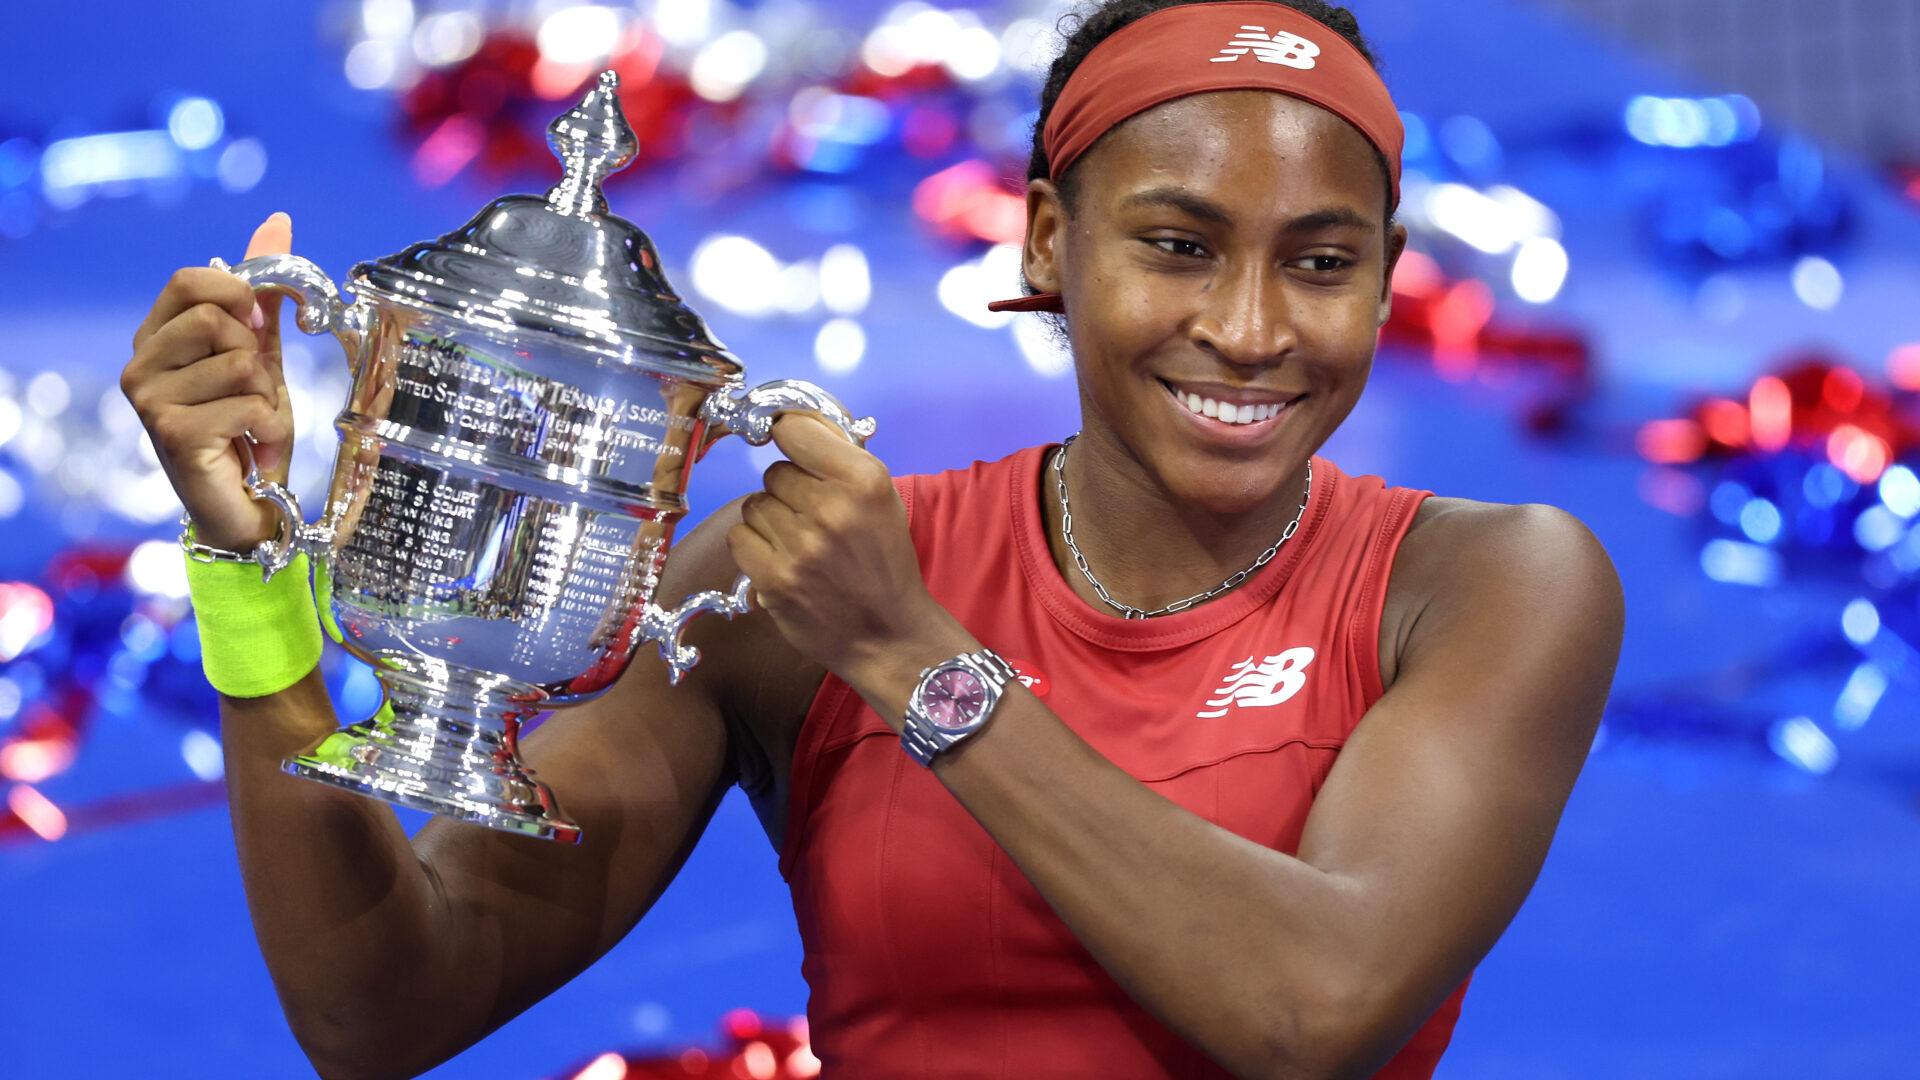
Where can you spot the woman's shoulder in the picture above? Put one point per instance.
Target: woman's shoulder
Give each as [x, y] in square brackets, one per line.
[1459, 549]
[977, 473]
[1530, 560]
[967, 490]
[1450, 528]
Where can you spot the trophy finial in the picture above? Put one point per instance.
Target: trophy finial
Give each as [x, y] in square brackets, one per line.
[592, 140]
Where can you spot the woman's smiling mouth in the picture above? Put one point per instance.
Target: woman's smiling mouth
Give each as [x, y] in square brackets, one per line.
[1243, 407]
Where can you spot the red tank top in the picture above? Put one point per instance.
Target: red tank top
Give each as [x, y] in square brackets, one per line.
[927, 952]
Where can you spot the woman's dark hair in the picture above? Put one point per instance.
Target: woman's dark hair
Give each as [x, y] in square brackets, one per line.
[1099, 24]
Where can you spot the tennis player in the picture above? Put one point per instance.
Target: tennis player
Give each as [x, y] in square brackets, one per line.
[1171, 751]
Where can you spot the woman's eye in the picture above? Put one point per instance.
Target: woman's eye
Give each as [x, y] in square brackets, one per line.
[1175, 246]
[1326, 264]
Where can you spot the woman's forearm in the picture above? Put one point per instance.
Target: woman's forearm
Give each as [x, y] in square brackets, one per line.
[1233, 945]
[343, 910]
[1247, 952]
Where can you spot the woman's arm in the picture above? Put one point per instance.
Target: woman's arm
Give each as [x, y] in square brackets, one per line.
[1419, 849]
[392, 953]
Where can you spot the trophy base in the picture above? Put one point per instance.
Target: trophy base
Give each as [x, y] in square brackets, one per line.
[450, 766]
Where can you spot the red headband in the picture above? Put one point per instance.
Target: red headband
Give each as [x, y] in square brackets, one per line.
[1196, 48]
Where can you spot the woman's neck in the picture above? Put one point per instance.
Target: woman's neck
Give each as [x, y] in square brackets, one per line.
[1148, 548]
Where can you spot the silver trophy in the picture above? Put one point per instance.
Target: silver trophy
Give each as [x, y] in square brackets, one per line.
[528, 396]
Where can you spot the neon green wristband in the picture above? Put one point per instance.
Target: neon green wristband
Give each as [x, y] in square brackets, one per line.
[256, 638]
[323, 599]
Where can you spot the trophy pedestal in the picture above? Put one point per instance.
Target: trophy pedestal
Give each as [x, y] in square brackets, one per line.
[451, 754]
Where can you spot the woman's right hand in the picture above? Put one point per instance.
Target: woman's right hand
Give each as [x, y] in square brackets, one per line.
[206, 372]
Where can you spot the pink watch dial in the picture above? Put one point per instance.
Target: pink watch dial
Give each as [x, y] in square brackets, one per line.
[954, 698]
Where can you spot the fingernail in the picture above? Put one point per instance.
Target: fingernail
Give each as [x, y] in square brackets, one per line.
[259, 317]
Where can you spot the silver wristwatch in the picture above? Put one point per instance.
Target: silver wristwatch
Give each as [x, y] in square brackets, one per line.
[952, 701]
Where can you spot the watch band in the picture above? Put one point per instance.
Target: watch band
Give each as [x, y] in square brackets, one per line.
[920, 737]
[998, 671]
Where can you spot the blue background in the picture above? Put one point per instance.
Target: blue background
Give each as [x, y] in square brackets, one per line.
[1708, 909]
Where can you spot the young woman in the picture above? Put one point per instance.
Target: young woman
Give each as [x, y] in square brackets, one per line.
[1233, 763]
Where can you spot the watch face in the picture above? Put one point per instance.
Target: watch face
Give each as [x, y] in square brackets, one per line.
[954, 698]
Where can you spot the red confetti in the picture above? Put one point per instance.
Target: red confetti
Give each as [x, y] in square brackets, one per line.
[1813, 403]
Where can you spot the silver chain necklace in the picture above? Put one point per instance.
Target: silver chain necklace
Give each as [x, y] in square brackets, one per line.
[1128, 610]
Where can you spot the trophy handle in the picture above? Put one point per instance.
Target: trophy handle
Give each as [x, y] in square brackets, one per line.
[750, 415]
[663, 625]
[321, 312]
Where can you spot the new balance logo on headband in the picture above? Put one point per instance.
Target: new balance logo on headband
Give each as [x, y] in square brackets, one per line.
[1278, 48]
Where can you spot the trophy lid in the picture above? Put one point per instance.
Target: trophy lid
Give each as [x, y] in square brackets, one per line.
[562, 264]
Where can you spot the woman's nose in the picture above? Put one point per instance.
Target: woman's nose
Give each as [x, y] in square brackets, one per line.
[1244, 317]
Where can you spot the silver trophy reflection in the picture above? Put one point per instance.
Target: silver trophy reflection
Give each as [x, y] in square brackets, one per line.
[528, 394]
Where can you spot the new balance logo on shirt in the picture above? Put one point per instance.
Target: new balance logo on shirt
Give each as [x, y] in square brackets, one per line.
[1279, 47]
[1266, 682]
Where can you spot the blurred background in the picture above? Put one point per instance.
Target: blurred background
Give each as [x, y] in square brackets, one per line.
[1664, 271]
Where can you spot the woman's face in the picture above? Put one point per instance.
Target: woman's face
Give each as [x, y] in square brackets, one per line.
[1225, 247]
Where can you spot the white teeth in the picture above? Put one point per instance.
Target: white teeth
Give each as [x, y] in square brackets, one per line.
[1227, 411]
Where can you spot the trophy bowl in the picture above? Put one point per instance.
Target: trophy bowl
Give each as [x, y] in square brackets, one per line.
[528, 394]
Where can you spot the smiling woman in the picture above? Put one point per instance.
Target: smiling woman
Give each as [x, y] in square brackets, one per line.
[1292, 743]
[1193, 266]
[1211, 759]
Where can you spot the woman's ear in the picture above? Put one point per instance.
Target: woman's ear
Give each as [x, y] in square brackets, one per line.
[1396, 244]
[1046, 231]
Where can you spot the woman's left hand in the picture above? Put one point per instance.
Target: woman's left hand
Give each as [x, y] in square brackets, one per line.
[827, 547]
